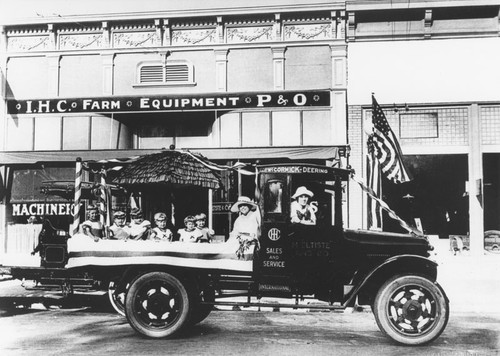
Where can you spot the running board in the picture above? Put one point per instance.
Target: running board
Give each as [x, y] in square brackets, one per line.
[277, 305]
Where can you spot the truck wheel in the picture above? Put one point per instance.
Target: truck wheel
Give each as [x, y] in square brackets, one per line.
[411, 309]
[157, 305]
[117, 297]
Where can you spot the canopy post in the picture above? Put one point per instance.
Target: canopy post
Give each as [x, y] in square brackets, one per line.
[78, 195]
[210, 206]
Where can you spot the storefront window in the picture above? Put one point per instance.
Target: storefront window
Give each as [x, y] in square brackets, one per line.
[27, 183]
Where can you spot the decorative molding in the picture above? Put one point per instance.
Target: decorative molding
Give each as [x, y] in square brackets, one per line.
[279, 67]
[106, 35]
[135, 39]
[220, 30]
[427, 23]
[351, 26]
[277, 27]
[308, 32]
[107, 73]
[28, 43]
[53, 74]
[167, 33]
[81, 41]
[193, 36]
[249, 34]
[221, 69]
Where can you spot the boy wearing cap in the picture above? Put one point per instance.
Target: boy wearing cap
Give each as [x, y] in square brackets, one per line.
[301, 212]
[201, 220]
[138, 227]
[92, 226]
[161, 232]
[119, 231]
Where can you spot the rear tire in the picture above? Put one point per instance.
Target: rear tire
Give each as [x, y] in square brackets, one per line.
[117, 297]
[411, 309]
[157, 305]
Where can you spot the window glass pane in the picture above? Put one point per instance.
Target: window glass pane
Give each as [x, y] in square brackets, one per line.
[255, 129]
[286, 128]
[317, 128]
[230, 130]
[26, 183]
[76, 133]
[101, 127]
[20, 134]
[273, 196]
[47, 133]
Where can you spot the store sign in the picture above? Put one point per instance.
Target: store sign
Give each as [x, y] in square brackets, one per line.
[221, 207]
[224, 101]
[41, 209]
[290, 169]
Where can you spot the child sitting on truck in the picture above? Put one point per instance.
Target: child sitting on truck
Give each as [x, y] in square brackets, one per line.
[138, 227]
[161, 232]
[119, 231]
[190, 233]
[92, 227]
[201, 220]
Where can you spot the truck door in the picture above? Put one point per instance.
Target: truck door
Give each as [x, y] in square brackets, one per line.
[274, 256]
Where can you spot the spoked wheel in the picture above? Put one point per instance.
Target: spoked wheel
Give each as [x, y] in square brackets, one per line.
[411, 310]
[157, 305]
[117, 297]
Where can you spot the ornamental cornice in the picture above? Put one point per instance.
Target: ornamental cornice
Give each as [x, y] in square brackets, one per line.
[32, 31]
[193, 25]
[133, 27]
[238, 23]
[306, 20]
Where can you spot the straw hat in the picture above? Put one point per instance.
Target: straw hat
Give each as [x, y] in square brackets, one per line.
[243, 201]
[302, 191]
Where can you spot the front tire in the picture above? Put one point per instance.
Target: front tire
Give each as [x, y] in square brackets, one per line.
[157, 305]
[411, 309]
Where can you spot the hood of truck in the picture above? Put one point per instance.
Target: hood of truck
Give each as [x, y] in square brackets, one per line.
[382, 238]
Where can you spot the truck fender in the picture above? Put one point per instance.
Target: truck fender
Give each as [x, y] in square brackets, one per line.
[395, 265]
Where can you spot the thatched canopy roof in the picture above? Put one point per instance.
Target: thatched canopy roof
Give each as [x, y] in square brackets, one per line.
[167, 167]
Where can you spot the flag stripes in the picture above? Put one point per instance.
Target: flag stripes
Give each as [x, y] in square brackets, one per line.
[386, 147]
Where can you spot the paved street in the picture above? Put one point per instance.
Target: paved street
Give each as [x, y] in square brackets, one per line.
[96, 332]
[471, 283]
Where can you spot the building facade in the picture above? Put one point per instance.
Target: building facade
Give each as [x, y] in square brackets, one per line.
[273, 81]
[234, 84]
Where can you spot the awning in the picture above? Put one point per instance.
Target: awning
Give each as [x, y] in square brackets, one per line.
[231, 153]
[167, 167]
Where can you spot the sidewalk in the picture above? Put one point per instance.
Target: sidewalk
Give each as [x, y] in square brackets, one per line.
[472, 283]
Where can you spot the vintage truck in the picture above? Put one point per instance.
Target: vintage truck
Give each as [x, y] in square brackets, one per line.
[163, 288]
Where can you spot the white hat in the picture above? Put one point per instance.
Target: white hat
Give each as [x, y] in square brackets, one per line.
[243, 201]
[302, 191]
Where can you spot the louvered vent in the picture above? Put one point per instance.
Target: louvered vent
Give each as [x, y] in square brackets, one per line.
[152, 74]
[177, 73]
[174, 73]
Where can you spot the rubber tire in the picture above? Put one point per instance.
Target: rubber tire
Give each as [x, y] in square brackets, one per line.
[115, 300]
[133, 304]
[381, 309]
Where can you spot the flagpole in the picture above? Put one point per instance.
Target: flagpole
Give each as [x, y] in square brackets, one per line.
[78, 194]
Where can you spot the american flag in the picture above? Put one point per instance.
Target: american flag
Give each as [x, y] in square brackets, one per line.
[386, 147]
[374, 182]
[384, 155]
